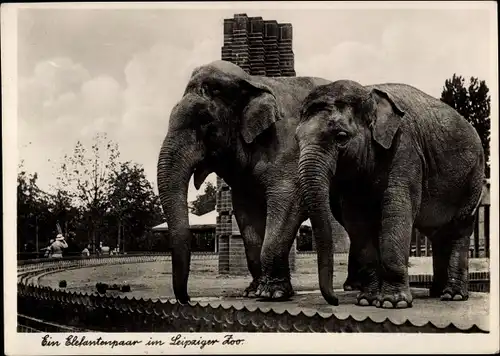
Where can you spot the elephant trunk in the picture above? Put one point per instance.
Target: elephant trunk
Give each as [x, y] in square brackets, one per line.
[175, 166]
[315, 172]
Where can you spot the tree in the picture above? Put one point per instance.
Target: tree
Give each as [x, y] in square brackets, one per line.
[32, 211]
[134, 207]
[473, 103]
[85, 176]
[69, 217]
[205, 202]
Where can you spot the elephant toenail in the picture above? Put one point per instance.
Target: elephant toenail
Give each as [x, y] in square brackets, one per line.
[363, 302]
[265, 294]
[458, 297]
[348, 288]
[278, 294]
[252, 295]
[402, 304]
[387, 305]
[446, 296]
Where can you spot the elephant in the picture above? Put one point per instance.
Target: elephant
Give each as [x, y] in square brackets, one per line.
[241, 127]
[384, 159]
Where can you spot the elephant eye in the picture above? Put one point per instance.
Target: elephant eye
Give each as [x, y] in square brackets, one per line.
[341, 136]
[340, 104]
[210, 90]
[205, 119]
[206, 90]
[315, 108]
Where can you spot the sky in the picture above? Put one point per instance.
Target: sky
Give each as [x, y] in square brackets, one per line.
[84, 71]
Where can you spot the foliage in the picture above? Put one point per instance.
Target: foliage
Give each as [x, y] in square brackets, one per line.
[205, 203]
[473, 103]
[134, 207]
[32, 206]
[85, 177]
[96, 198]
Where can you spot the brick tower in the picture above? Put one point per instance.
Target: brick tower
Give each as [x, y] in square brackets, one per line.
[259, 47]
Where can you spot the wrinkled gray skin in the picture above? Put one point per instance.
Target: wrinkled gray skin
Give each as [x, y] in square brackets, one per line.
[241, 127]
[382, 160]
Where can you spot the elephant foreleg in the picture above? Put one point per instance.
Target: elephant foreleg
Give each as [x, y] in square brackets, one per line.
[394, 243]
[281, 229]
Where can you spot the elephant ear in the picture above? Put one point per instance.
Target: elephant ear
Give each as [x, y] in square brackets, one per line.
[261, 111]
[387, 118]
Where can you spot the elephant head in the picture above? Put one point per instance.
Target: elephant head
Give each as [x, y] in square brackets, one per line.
[222, 110]
[341, 124]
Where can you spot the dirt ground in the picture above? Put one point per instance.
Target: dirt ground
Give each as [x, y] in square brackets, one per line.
[154, 279]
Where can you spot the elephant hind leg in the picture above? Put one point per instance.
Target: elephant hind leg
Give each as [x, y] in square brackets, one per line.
[441, 252]
[251, 221]
[253, 248]
[455, 242]
[364, 265]
[353, 279]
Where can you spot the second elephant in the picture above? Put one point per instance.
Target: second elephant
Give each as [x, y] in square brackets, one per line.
[383, 160]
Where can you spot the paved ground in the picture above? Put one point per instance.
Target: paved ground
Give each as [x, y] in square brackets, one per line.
[425, 309]
[154, 280]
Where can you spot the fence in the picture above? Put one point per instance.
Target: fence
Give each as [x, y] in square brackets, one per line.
[420, 246]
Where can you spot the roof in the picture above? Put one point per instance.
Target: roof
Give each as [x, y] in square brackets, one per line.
[204, 221]
[195, 221]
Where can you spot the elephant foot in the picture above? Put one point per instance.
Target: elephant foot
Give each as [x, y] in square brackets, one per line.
[276, 289]
[366, 299]
[401, 299]
[454, 293]
[250, 291]
[351, 285]
[436, 291]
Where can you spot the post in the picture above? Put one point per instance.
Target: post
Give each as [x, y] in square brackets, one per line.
[418, 242]
[476, 235]
[427, 243]
[121, 237]
[119, 234]
[36, 235]
[486, 230]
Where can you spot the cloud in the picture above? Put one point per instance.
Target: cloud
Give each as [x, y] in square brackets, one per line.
[156, 79]
[59, 104]
[62, 103]
[418, 53]
[127, 84]
[51, 85]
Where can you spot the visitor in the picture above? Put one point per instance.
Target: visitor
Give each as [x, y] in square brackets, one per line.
[105, 250]
[86, 251]
[57, 247]
[47, 249]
